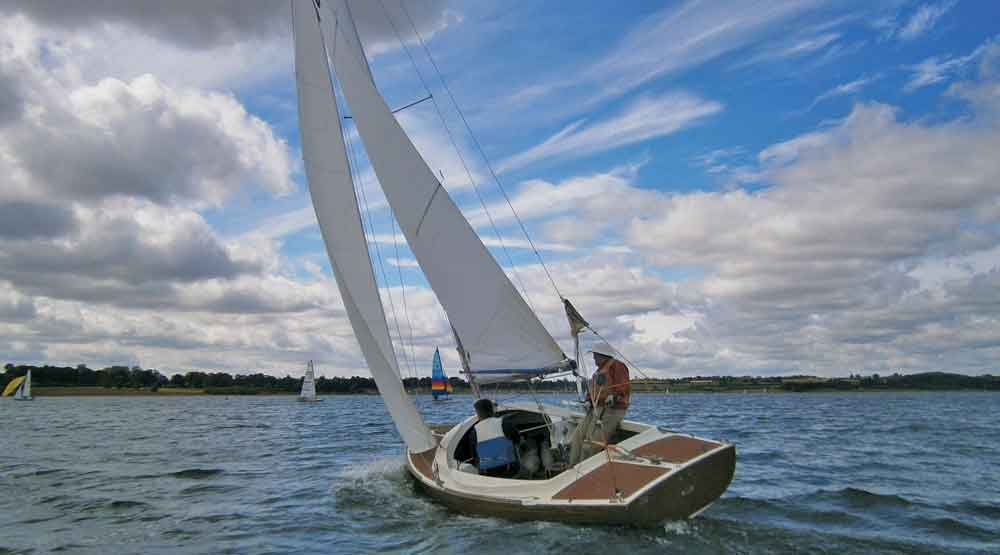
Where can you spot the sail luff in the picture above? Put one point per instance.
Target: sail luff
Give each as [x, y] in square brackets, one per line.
[334, 200]
[501, 334]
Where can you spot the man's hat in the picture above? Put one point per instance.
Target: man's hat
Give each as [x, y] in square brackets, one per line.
[603, 348]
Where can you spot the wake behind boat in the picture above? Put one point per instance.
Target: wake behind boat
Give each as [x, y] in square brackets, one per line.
[521, 461]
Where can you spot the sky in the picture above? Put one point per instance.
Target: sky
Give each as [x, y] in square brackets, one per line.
[725, 187]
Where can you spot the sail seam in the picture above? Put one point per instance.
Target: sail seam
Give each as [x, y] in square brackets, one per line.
[427, 209]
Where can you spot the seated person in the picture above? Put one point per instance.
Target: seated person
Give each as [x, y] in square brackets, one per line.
[494, 442]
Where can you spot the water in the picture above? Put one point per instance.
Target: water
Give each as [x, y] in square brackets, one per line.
[818, 473]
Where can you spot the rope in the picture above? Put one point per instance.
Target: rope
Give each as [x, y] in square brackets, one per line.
[625, 358]
[406, 311]
[359, 184]
[454, 144]
[479, 147]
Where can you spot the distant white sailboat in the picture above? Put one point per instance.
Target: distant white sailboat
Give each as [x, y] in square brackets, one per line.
[308, 393]
[19, 388]
[645, 475]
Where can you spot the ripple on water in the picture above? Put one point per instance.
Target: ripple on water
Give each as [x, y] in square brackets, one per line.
[838, 473]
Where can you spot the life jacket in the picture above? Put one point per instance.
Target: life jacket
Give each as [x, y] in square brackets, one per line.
[493, 448]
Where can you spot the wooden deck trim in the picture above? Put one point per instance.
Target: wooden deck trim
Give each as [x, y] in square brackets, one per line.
[676, 449]
[609, 480]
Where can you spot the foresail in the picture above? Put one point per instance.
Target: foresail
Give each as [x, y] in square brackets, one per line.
[333, 197]
[500, 333]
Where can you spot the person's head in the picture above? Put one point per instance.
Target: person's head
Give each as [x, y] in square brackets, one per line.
[602, 353]
[484, 408]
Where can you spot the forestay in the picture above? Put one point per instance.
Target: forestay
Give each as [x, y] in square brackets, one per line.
[334, 200]
[501, 335]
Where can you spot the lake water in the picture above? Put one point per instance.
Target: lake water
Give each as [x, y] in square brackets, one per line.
[831, 473]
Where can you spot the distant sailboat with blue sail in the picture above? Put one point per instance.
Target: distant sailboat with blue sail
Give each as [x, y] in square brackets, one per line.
[440, 386]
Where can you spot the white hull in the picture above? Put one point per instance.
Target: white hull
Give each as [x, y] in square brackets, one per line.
[652, 476]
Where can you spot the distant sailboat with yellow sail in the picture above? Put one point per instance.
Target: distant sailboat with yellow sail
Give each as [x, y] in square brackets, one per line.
[19, 388]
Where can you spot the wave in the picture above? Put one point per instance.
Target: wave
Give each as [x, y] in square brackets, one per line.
[196, 473]
[125, 504]
[207, 488]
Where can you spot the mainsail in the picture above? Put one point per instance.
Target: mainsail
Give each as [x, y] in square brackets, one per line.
[308, 392]
[334, 200]
[501, 336]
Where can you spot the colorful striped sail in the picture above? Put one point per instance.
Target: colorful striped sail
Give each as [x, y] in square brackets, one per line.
[440, 387]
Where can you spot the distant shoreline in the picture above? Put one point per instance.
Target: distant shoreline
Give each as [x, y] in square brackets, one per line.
[98, 391]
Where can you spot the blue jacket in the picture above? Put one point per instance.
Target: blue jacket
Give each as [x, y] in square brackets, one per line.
[492, 446]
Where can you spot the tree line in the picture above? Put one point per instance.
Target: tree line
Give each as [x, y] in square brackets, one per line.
[212, 382]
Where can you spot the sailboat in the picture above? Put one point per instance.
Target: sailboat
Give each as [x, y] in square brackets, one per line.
[19, 388]
[308, 393]
[645, 474]
[440, 386]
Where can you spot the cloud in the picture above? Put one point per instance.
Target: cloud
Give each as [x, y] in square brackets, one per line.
[814, 273]
[21, 220]
[844, 89]
[202, 25]
[677, 38]
[924, 19]
[647, 118]
[797, 47]
[144, 138]
[937, 69]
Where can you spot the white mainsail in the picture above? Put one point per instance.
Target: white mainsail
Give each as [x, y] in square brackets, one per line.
[501, 335]
[26, 388]
[334, 200]
[308, 392]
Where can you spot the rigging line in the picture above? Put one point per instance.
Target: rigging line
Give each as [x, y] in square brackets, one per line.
[406, 311]
[378, 251]
[629, 362]
[480, 148]
[401, 108]
[454, 145]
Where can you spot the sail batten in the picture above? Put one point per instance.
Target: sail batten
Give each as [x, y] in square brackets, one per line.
[498, 329]
[332, 190]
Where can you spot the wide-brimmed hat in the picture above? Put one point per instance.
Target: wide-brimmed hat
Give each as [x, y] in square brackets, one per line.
[602, 348]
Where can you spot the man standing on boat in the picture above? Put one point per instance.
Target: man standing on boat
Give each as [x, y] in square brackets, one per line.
[608, 396]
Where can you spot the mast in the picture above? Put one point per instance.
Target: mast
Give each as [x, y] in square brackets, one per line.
[501, 335]
[332, 190]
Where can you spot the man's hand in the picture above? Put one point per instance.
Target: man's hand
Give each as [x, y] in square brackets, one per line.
[609, 401]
